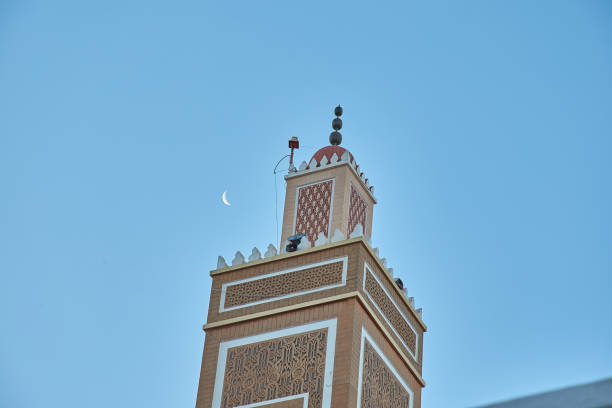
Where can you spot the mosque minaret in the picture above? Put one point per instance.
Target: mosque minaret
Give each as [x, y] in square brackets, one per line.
[323, 322]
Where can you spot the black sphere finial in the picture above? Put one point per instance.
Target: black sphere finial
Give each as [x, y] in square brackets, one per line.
[335, 137]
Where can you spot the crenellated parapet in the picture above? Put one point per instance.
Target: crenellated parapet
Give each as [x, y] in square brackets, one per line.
[324, 161]
[239, 260]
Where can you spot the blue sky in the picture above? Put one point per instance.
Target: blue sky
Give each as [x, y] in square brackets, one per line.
[484, 127]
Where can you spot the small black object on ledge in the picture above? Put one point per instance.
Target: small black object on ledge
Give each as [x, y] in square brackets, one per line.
[294, 241]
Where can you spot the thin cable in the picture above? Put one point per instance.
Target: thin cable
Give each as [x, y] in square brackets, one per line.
[276, 207]
[276, 198]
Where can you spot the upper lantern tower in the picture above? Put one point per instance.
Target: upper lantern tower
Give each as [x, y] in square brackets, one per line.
[329, 198]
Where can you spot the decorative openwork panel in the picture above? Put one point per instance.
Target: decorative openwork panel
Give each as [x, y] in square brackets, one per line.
[280, 285]
[390, 311]
[380, 388]
[271, 369]
[313, 210]
[357, 211]
[276, 368]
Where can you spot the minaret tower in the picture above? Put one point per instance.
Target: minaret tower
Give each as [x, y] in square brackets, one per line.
[324, 323]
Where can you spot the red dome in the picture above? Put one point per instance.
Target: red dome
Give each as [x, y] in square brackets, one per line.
[327, 152]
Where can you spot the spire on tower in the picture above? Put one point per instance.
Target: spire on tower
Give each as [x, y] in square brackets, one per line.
[335, 137]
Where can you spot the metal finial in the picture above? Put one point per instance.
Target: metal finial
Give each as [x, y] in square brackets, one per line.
[335, 137]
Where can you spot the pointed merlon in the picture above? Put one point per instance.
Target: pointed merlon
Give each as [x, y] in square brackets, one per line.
[383, 261]
[333, 159]
[375, 250]
[238, 258]
[304, 244]
[321, 240]
[357, 231]
[390, 270]
[312, 164]
[255, 255]
[283, 248]
[419, 311]
[338, 236]
[345, 156]
[271, 251]
[221, 262]
[303, 166]
[411, 301]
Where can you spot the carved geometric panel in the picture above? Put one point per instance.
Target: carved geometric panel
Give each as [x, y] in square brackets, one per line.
[286, 368]
[390, 312]
[313, 210]
[281, 285]
[357, 211]
[380, 386]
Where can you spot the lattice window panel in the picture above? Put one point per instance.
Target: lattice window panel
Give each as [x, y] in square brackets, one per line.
[276, 368]
[314, 210]
[379, 386]
[302, 280]
[395, 318]
[357, 211]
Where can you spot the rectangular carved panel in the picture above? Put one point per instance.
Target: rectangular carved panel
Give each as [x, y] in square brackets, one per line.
[270, 368]
[280, 285]
[390, 312]
[380, 385]
[313, 210]
[357, 211]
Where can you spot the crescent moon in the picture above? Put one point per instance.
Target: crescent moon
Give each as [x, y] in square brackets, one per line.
[224, 198]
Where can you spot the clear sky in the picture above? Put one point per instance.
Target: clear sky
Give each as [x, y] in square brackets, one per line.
[485, 128]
